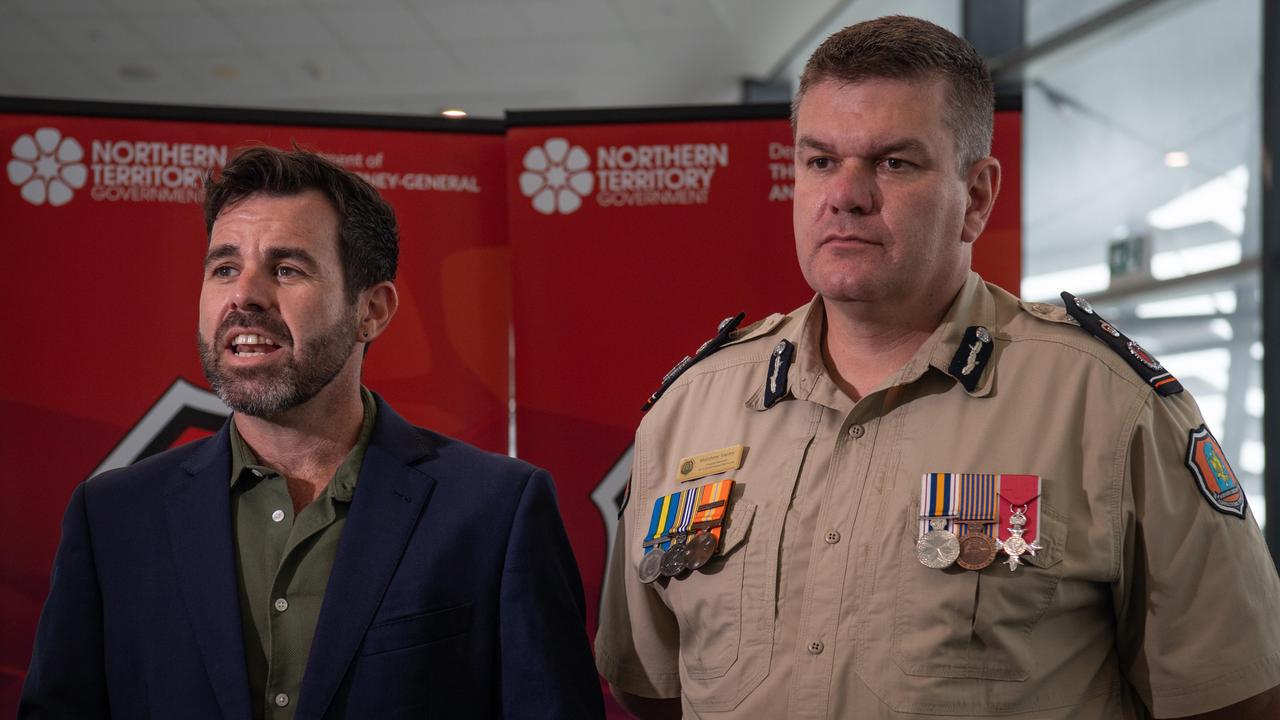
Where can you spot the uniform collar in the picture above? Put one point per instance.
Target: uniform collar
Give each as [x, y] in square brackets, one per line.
[808, 378]
[973, 307]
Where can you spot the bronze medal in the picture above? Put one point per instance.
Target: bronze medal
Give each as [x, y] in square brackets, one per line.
[673, 560]
[651, 565]
[700, 549]
[977, 551]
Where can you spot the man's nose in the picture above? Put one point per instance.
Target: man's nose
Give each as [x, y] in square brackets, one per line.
[854, 190]
[252, 290]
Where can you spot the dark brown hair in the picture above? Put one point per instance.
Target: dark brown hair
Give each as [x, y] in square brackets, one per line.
[369, 241]
[906, 48]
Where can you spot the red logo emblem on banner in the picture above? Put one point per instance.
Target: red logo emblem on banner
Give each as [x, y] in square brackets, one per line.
[1214, 477]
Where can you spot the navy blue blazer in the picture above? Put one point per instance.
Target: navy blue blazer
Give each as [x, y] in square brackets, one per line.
[454, 593]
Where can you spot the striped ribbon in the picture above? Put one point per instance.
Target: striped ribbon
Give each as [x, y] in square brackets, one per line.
[938, 499]
[662, 511]
[688, 501]
[711, 506]
[678, 513]
[979, 510]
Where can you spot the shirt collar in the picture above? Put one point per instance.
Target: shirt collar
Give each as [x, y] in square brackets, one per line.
[245, 463]
[973, 307]
[808, 377]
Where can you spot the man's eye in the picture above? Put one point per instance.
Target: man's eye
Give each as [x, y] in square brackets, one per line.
[896, 164]
[286, 271]
[224, 271]
[820, 163]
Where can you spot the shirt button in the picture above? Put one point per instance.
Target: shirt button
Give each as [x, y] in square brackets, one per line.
[277, 515]
[815, 647]
[856, 431]
[833, 537]
[282, 604]
[282, 699]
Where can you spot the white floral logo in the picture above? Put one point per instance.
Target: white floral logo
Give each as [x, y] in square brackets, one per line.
[556, 176]
[47, 167]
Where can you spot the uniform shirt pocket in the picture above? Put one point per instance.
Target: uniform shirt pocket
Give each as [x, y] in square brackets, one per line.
[958, 623]
[709, 602]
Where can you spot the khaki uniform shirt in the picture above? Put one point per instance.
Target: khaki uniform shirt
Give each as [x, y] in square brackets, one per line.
[817, 607]
[283, 564]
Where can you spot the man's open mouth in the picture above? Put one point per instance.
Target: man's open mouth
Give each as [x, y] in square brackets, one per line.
[251, 345]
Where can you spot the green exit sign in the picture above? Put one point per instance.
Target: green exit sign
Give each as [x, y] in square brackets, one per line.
[1127, 258]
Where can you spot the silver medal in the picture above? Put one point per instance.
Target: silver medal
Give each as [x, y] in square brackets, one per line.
[937, 548]
[1015, 546]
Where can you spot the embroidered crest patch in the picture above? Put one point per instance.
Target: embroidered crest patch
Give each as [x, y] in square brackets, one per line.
[1213, 475]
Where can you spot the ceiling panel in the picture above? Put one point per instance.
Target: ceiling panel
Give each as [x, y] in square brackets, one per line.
[378, 28]
[475, 21]
[283, 30]
[561, 18]
[21, 36]
[188, 32]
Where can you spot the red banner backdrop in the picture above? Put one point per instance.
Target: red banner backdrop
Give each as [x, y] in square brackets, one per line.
[630, 242]
[104, 243]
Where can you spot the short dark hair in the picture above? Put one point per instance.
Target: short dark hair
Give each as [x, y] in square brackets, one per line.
[369, 241]
[906, 48]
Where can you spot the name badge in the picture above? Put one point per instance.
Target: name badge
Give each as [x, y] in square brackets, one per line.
[710, 463]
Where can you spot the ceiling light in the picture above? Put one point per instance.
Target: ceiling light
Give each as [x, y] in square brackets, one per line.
[455, 113]
[1177, 159]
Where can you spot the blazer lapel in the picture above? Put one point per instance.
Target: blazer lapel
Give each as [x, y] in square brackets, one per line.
[198, 509]
[389, 498]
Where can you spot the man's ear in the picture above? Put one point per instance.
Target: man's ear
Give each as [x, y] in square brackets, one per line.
[983, 184]
[375, 308]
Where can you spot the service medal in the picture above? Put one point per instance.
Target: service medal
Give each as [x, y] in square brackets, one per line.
[673, 560]
[937, 548]
[651, 566]
[1015, 546]
[977, 551]
[700, 549]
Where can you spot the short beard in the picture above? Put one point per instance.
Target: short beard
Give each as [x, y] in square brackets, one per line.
[266, 393]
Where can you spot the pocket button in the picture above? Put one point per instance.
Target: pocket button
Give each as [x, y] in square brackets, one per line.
[816, 647]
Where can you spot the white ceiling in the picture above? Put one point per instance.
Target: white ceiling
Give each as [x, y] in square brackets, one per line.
[401, 56]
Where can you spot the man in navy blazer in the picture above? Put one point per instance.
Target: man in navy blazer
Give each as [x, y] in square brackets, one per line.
[404, 573]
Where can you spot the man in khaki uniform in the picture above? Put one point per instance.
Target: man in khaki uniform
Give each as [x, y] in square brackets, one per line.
[1148, 588]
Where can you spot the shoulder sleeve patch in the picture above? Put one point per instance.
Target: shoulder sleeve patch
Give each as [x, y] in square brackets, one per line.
[1146, 365]
[724, 331]
[1212, 473]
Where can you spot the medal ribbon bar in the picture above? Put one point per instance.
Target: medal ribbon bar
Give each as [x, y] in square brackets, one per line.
[657, 523]
[688, 500]
[978, 507]
[1018, 491]
[938, 499]
[711, 506]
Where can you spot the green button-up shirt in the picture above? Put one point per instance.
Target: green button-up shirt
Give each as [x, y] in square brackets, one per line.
[283, 565]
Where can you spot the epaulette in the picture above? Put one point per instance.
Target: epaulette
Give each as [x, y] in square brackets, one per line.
[1146, 365]
[724, 333]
